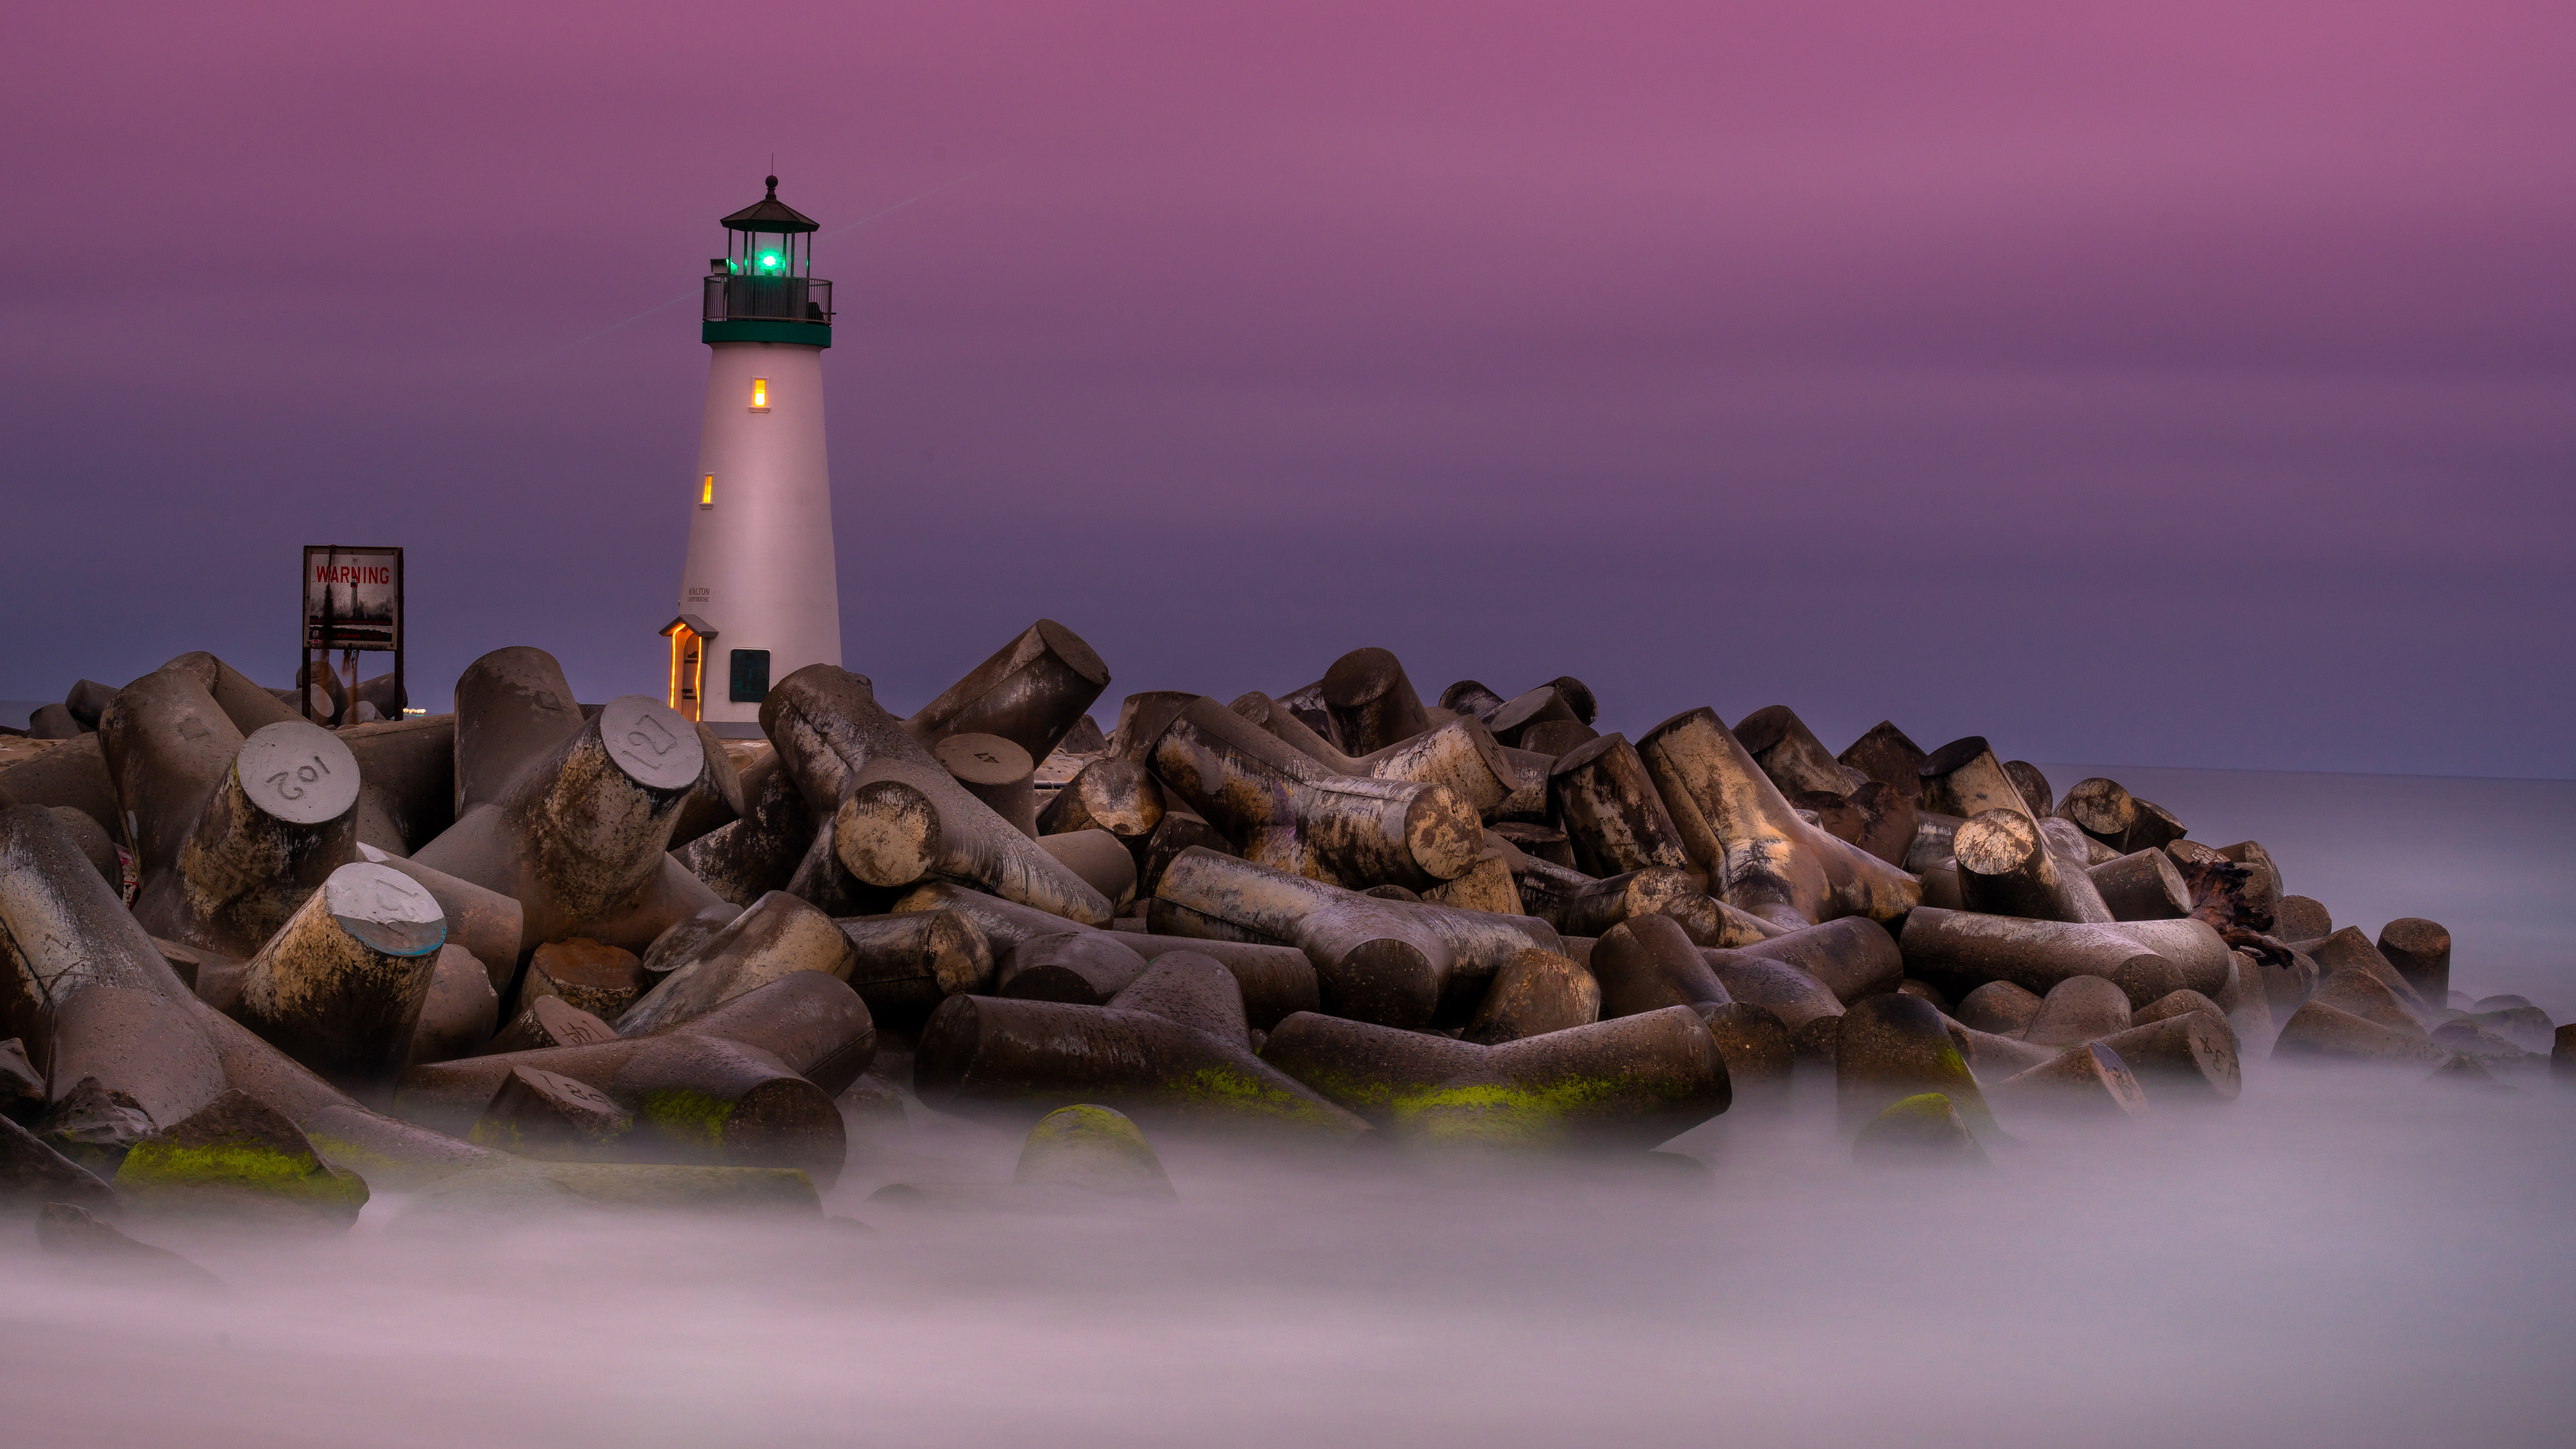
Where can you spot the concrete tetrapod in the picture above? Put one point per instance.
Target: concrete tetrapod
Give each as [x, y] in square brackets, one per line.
[1017, 1055]
[1959, 951]
[579, 835]
[119, 1015]
[759, 852]
[549, 1021]
[672, 949]
[1759, 1052]
[2032, 787]
[1032, 691]
[2421, 952]
[1194, 990]
[1798, 999]
[2072, 846]
[1759, 855]
[1791, 755]
[1964, 778]
[2349, 949]
[599, 978]
[1629, 1083]
[1371, 702]
[1887, 756]
[1531, 711]
[1461, 756]
[2303, 918]
[719, 800]
[1100, 858]
[1649, 963]
[1486, 886]
[2190, 1057]
[230, 833]
[2349, 988]
[1276, 982]
[1923, 1130]
[1996, 1056]
[2000, 1007]
[896, 815]
[1374, 960]
[1109, 794]
[483, 922]
[1895, 1046]
[1854, 957]
[406, 780]
[749, 1083]
[2321, 1032]
[459, 1014]
[2142, 886]
[1363, 1067]
[237, 1157]
[1288, 812]
[1471, 697]
[2177, 1004]
[995, 771]
[1082, 966]
[2078, 1009]
[1878, 818]
[2102, 809]
[908, 964]
[779, 936]
[2007, 869]
[339, 988]
[1537, 993]
[2089, 1080]
[1580, 905]
[1182, 829]
[1600, 795]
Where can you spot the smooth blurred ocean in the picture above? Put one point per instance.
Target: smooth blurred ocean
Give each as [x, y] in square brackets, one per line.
[2339, 1257]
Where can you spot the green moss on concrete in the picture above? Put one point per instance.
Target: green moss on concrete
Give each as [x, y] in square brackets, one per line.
[1232, 1091]
[1493, 1113]
[695, 1118]
[157, 1167]
[1092, 1147]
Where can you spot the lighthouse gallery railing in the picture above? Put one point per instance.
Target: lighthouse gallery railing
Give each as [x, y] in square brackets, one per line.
[787, 299]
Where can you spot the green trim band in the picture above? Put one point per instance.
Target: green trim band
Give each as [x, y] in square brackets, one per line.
[764, 329]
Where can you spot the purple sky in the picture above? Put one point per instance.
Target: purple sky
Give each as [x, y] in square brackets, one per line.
[2178, 383]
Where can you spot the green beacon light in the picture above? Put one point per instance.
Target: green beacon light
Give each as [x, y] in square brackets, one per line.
[763, 288]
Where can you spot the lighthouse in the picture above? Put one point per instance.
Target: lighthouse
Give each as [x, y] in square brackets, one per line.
[760, 596]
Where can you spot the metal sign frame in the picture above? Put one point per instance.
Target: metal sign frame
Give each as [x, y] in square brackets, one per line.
[320, 632]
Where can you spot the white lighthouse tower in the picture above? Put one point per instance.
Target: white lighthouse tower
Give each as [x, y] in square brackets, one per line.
[760, 595]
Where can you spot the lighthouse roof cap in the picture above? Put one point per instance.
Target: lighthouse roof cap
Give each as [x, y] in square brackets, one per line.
[771, 214]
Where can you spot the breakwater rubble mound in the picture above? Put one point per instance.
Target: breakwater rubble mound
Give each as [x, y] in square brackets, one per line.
[539, 953]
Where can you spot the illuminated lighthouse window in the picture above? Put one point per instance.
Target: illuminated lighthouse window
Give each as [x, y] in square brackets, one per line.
[707, 491]
[760, 394]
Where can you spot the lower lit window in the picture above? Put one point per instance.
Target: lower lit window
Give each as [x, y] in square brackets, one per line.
[707, 491]
[760, 394]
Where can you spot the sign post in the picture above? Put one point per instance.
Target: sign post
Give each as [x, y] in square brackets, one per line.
[353, 602]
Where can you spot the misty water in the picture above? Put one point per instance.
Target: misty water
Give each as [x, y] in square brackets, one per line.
[2340, 1257]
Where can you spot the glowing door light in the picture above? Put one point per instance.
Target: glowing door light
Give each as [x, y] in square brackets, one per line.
[707, 492]
[760, 392]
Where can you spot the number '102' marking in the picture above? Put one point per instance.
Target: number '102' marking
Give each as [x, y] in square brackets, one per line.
[306, 774]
